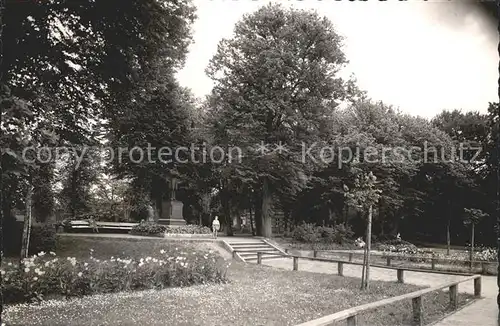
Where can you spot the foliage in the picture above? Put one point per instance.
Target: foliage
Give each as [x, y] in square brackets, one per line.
[276, 81]
[148, 229]
[473, 215]
[399, 246]
[45, 275]
[188, 229]
[310, 233]
[42, 238]
[306, 232]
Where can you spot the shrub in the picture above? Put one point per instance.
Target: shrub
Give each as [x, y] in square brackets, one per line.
[306, 232]
[486, 254]
[43, 275]
[148, 229]
[399, 246]
[188, 229]
[339, 234]
[42, 238]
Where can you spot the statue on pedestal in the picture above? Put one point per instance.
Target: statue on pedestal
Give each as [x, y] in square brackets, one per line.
[171, 210]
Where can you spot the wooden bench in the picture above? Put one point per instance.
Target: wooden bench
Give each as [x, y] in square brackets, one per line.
[85, 224]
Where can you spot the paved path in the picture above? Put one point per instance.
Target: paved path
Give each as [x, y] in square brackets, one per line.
[139, 237]
[483, 312]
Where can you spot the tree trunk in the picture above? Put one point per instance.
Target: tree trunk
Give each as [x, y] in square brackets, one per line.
[471, 255]
[226, 208]
[448, 238]
[251, 220]
[368, 246]
[266, 209]
[258, 214]
[237, 220]
[25, 241]
[363, 271]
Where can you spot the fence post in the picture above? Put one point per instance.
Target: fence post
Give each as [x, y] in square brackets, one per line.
[351, 321]
[454, 296]
[259, 258]
[315, 253]
[417, 311]
[477, 287]
[388, 261]
[234, 254]
[401, 276]
[340, 268]
[295, 263]
[350, 256]
[286, 251]
[433, 263]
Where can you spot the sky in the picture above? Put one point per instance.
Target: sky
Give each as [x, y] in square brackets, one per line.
[421, 57]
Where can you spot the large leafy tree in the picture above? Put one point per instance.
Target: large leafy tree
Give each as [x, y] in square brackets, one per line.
[276, 80]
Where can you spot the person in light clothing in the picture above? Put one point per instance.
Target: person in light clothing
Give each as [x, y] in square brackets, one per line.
[215, 226]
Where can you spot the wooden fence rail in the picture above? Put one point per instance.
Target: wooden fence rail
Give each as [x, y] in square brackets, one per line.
[432, 260]
[340, 268]
[350, 315]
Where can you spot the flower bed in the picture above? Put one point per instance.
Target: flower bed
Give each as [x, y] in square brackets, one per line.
[188, 229]
[151, 229]
[158, 230]
[43, 275]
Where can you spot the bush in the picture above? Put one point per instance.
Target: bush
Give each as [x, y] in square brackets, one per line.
[399, 246]
[43, 275]
[42, 238]
[339, 234]
[310, 233]
[306, 232]
[148, 229]
[188, 229]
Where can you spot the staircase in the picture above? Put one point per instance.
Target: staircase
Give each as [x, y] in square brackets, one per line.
[247, 248]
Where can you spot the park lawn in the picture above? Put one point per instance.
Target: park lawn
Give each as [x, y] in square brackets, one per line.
[256, 295]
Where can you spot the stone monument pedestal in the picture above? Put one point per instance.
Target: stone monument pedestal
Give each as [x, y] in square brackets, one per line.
[171, 213]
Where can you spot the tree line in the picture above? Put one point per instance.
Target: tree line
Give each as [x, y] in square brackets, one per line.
[97, 73]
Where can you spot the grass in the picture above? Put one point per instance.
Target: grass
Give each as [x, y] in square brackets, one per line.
[256, 295]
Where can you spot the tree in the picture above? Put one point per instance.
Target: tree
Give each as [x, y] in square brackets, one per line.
[472, 216]
[276, 81]
[365, 196]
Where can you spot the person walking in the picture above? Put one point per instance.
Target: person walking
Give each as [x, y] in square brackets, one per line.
[215, 226]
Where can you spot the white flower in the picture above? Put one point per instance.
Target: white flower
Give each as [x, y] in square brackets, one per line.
[140, 264]
[35, 278]
[162, 251]
[9, 264]
[26, 270]
[85, 264]
[80, 274]
[2, 272]
[41, 253]
[52, 253]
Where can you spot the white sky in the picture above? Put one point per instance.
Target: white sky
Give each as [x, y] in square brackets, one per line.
[419, 56]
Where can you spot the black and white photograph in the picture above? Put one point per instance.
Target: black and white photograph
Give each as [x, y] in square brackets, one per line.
[249, 163]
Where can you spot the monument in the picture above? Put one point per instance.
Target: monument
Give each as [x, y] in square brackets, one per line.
[171, 209]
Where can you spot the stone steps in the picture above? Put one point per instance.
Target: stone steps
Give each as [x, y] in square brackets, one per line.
[247, 249]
